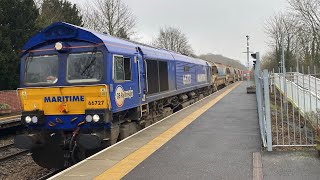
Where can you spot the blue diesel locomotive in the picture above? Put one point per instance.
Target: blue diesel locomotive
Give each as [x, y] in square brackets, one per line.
[82, 91]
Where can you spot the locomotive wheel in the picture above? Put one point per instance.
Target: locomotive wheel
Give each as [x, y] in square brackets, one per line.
[51, 155]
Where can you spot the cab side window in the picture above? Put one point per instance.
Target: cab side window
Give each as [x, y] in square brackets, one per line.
[228, 71]
[127, 69]
[122, 68]
[214, 70]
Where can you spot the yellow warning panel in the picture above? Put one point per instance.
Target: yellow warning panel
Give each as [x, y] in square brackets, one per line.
[76, 98]
[31, 105]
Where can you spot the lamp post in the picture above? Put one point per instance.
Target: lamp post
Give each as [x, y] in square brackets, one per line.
[248, 59]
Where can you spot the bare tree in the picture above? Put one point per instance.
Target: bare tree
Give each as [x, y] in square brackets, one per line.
[300, 30]
[173, 39]
[110, 16]
[308, 12]
[268, 61]
[282, 30]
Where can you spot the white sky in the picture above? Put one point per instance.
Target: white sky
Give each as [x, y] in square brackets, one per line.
[212, 26]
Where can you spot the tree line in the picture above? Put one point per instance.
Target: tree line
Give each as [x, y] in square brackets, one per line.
[20, 19]
[297, 32]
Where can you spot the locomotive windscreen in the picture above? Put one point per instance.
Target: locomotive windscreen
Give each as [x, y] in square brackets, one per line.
[85, 67]
[41, 70]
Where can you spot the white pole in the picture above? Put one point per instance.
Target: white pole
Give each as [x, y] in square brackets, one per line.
[282, 57]
[248, 74]
[283, 68]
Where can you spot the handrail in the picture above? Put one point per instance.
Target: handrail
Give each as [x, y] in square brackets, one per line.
[301, 97]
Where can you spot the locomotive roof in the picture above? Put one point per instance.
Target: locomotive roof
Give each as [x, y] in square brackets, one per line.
[63, 31]
[218, 65]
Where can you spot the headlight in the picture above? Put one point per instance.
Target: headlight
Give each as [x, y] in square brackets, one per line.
[88, 118]
[96, 118]
[58, 46]
[34, 119]
[28, 119]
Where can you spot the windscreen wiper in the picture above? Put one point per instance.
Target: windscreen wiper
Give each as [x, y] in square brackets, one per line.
[92, 59]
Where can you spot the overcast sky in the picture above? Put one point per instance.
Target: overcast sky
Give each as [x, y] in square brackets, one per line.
[212, 26]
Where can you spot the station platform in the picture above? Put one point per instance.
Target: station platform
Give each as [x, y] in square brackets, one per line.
[10, 121]
[214, 138]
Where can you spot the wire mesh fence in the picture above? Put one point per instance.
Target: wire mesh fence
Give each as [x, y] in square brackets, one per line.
[288, 108]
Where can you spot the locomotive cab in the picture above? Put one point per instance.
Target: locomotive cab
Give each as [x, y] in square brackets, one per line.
[65, 95]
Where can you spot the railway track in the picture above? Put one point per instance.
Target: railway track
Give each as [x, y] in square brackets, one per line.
[17, 164]
[9, 152]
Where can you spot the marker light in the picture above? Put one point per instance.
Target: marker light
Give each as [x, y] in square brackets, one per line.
[34, 119]
[96, 118]
[58, 46]
[28, 119]
[88, 118]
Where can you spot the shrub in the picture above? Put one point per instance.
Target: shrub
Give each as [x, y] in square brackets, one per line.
[4, 106]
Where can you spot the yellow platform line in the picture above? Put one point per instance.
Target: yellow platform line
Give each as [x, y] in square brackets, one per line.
[10, 117]
[123, 167]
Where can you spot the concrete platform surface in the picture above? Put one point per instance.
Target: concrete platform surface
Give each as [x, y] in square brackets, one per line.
[291, 165]
[10, 121]
[218, 145]
[119, 153]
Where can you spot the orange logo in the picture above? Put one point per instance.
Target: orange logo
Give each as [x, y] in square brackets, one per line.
[63, 107]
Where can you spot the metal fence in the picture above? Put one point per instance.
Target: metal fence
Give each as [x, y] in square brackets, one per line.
[288, 108]
[263, 104]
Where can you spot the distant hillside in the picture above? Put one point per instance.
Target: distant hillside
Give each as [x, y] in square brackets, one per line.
[222, 60]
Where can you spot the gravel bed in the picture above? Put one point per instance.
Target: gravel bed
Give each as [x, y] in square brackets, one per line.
[21, 168]
[8, 151]
[6, 140]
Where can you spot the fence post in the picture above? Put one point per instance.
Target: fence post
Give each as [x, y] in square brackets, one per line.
[267, 109]
[259, 97]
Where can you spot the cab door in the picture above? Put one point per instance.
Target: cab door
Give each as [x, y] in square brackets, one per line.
[142, 79]
[126, 82]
